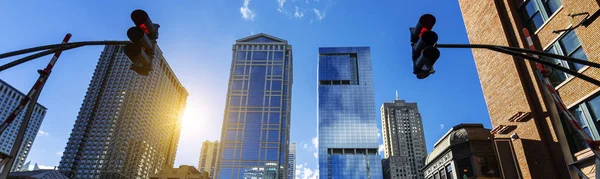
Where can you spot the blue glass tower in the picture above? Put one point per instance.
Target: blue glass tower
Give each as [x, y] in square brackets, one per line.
[348, 139]
[255, 131]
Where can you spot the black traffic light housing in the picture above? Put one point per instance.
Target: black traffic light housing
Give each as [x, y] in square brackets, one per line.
[141, 52]
[424, 54]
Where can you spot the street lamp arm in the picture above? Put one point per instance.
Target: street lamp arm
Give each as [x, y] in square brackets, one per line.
[540, 53]
[34, 56]
[45, 47]
[53, 48]
[554, 66]
[519, 53]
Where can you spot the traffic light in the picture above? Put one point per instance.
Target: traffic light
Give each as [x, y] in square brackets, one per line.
[422, 39]
[143, 35]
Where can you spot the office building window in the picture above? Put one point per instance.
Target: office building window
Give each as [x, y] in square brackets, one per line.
[449, 172]
[587, 115]
[568, 45]
[535, 12]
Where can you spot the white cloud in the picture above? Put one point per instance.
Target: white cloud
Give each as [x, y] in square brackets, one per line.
[319, 15]
[378, 133]
[281, 3]
[59, 153]
[380, 150]
[298, 13]
[304, 172]
[441, 126]
[43, 133]
[300, 166]
[247, 13]
[305, 146]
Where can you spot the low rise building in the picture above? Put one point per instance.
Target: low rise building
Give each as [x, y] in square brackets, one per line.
[183, 172]
[465, 151]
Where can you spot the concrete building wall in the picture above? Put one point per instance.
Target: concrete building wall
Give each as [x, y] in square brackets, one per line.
[404, 139]
[208, 157]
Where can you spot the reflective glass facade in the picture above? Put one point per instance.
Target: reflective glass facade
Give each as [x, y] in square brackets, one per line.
[255, 131]
[347, 121]
[10, 97]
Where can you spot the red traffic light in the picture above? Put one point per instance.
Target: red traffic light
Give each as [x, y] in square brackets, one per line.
[139, 17]
[426, 23]
[142, 20]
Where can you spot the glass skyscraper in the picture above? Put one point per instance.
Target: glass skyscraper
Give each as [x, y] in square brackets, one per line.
[255, 133]
[347, 122]
[10, 97]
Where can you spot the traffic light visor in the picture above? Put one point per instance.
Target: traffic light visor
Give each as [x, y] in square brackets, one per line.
[426, 23]
[139, 17]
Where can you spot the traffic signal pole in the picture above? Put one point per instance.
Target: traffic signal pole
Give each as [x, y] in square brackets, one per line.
[518, 52]
[53, 49]
[140, 50]
[30, 100]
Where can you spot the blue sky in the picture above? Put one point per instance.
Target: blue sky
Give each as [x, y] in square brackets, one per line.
[196, 38]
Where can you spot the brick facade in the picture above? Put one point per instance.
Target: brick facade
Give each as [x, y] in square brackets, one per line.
[510, 86]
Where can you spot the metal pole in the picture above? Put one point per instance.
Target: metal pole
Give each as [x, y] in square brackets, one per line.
[566, 70]
[14, 152]
[62, 47]
[31, 100]
[506, 50]
[54, 46]
[553, 112]
[36, 87]
[34, 56]
[545, 54]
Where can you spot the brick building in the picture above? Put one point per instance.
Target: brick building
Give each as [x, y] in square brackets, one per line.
[530, 141]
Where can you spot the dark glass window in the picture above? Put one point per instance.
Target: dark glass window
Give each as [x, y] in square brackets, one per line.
[238, 70]
[551, 6]
[571, 47]
[586, 115]
[449, 172]
[275, 101]
[278, 56]
[259, 55]
[531, 15]
[567, 45]
[594, 106]
[557, 76]
[237, 84]
[277, 70]
[240, 55]
[276, 85]
[535, 12]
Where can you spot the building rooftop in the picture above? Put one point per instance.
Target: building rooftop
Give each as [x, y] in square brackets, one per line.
[458, 134]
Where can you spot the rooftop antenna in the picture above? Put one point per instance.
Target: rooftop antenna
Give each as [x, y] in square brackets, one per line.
[397, 98]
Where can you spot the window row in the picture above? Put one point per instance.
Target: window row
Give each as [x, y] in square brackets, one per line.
[259, 55]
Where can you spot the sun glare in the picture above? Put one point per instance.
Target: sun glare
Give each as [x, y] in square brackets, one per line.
[191, 117]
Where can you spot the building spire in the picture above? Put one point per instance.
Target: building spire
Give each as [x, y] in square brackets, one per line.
[397, 98]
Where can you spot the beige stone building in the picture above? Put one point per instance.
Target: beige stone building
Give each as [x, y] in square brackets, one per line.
[208, 157]
[183, 172]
